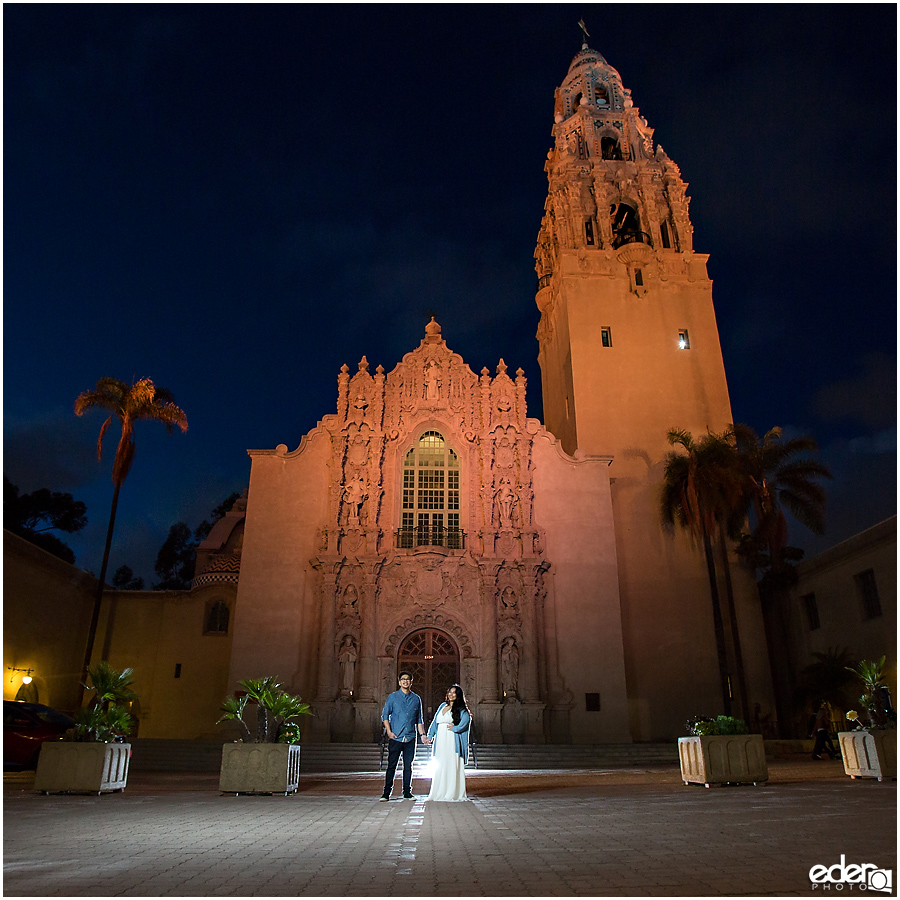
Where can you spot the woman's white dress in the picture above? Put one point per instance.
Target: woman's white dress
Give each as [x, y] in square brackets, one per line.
[449, 781]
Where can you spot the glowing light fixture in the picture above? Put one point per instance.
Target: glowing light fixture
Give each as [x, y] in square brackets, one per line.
[26, 678]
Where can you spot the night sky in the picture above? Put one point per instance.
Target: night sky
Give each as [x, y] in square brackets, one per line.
[235, 200]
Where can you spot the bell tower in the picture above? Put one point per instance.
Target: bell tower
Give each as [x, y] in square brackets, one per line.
[629, 348]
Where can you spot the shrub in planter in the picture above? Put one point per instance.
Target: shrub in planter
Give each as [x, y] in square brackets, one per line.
[92, 756]
[870, 749]
[720, 750]
[270, 761]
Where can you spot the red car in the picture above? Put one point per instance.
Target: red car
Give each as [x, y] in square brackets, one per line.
[25, 727]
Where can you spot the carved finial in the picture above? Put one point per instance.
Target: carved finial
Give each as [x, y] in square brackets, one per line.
[432, 327]
[501, 367]
[583, 27]
[345, 369]
[363, 365]
[379, 369]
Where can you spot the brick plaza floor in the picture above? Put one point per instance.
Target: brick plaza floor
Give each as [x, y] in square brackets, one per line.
[612, 832]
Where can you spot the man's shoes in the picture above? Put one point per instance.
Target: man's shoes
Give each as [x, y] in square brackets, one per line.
[383, 799]
[409, 797]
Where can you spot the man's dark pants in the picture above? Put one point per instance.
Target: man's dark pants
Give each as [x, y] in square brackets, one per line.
[408, 748]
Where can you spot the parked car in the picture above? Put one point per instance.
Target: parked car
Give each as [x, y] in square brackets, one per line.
[25, 727]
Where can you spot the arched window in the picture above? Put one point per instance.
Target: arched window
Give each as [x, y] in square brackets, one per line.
[430, 514]
[601, 98]
[626, 225]
[609, 148]
[217, 615]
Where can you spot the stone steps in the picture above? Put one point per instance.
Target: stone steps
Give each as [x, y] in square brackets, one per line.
[153, 754]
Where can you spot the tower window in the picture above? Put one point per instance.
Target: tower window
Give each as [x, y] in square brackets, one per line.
[638, 278]
[600, 96]
[609, 148]
[589, 231]
[664, 234]
[868, 594]
[684, 342]
[606, 337]
[811, 609]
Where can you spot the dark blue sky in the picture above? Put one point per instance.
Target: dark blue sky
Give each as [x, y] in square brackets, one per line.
[235, 200]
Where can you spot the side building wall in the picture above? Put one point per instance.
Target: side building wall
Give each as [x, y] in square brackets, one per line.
[829, 607]
[46, 616]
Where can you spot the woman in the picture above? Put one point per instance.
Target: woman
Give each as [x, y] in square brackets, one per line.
[450, 732]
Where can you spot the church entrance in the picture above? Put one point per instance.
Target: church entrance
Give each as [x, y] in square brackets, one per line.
[432, 658]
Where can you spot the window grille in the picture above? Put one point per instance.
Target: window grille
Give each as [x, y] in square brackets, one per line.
[431, 487]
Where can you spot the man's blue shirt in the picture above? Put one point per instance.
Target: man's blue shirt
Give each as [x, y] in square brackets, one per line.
[404, 712]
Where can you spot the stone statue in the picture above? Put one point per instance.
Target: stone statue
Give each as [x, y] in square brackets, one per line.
[347, 657]
[509, 667]
[506, 498]
[432, 381]
[355, 494]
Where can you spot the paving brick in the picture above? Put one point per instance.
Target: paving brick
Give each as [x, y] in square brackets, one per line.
[636, 832]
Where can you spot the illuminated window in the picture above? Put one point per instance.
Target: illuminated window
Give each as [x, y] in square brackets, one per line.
[606, 337]
[601, 98]
[684, 342]
[430, 513]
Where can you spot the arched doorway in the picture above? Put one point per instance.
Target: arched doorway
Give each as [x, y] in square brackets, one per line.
[432, 657]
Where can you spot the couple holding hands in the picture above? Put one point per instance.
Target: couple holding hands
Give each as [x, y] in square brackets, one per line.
[449, 732]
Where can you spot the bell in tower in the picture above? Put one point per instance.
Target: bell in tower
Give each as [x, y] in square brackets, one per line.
[629, 348]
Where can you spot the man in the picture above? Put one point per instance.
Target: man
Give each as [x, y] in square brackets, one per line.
[402, 717]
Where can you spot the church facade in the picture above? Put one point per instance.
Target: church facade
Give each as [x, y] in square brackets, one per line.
[430, 525]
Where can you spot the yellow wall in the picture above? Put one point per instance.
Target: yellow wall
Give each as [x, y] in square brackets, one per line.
[46, 614]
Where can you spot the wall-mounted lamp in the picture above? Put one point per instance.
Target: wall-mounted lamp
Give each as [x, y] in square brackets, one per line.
[26, 678]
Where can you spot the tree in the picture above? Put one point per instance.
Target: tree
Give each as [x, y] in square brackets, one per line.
[175, 561]
[701, 492]
[129, 404]
[775, 479]
[776, 475]
[33, 516]
[201, 532]
[828, 678]
[178, 555]
[124, 580]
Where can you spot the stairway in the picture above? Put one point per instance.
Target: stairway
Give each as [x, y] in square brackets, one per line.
[155, 755]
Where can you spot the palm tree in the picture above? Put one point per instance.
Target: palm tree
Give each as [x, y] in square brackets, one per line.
[776, 479]
[127, 403]
[777, 476]
[701, 491]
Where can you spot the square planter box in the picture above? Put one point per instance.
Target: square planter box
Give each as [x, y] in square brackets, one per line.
[723, 759]
[260, 768]
[869, 754]
[82, 768]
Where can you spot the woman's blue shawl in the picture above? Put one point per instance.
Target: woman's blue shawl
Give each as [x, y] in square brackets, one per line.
[460, 732]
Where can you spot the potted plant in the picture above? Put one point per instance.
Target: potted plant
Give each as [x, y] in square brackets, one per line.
[870, 749]
[720, 751]
[92, 756]
[269, 762]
